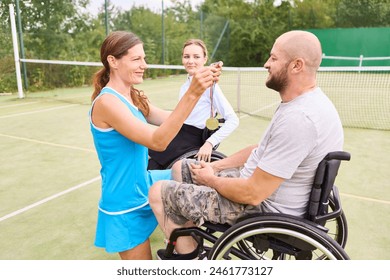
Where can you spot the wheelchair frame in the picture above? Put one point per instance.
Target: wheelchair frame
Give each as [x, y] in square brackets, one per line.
[321, 235]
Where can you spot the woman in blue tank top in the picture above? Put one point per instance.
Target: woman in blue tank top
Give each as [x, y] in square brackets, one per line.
[119, 118]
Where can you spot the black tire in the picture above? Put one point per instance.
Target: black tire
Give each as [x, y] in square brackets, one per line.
[276, 237]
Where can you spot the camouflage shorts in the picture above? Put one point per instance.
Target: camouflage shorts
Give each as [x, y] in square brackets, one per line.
[186, 201]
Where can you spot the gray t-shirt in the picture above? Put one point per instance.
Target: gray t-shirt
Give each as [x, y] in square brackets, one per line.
[299, 136]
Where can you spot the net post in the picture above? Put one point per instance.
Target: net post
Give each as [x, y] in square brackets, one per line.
[361, 60]
[16, 51]
[238, 90]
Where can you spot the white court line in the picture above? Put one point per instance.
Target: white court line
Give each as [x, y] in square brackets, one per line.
[245, 115]
[39, 111]
[48, 199]
[46, 143]
[366, 198]
[19, 104]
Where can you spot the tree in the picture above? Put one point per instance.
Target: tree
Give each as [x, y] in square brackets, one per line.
[253, 26]
[7, 65]
[363, 13]
[50, 30]
[149, 31]
[311, 14]
[239, 32]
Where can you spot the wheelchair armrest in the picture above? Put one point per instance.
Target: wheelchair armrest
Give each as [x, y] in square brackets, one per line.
[336, 211]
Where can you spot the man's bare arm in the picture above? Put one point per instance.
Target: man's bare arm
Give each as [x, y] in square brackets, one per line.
[252, 190]
[235, 160]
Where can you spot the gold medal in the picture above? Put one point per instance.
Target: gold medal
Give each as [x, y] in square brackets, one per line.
[212, 123]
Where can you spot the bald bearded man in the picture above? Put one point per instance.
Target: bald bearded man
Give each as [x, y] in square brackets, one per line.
[275, 175]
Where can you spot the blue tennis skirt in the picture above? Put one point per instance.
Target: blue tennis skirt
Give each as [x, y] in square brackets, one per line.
[118, 233]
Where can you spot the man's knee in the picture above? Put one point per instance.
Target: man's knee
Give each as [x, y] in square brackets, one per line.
[176, 171]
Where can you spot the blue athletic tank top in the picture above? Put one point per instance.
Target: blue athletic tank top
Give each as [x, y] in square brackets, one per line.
[125, 178]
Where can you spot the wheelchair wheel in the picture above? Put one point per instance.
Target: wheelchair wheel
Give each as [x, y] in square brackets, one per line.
[215, 155]
[337, 229]
[276, 237]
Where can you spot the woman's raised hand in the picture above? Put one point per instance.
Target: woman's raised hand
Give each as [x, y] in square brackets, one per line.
[205, 77]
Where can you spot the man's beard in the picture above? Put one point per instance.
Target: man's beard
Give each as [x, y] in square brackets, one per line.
[278, 81]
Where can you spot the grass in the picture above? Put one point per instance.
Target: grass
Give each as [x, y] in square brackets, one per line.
[46, 149]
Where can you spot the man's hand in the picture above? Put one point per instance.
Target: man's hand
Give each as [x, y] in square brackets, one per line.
[202, 173]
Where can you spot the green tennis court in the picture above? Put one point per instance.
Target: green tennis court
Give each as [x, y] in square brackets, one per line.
[50, 184]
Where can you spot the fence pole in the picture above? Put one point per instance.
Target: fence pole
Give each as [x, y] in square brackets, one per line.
[219, 40]
[16, 51]
[24, 66]
[238, 90]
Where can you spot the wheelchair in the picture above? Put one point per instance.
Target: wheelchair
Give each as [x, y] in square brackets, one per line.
[321, 235]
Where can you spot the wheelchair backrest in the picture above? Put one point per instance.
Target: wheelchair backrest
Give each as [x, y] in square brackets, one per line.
[323, 185]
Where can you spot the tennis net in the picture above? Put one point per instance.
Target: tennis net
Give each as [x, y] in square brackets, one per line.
[360, 94]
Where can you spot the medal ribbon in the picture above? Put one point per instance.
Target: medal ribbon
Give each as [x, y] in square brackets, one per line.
[211, 100]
